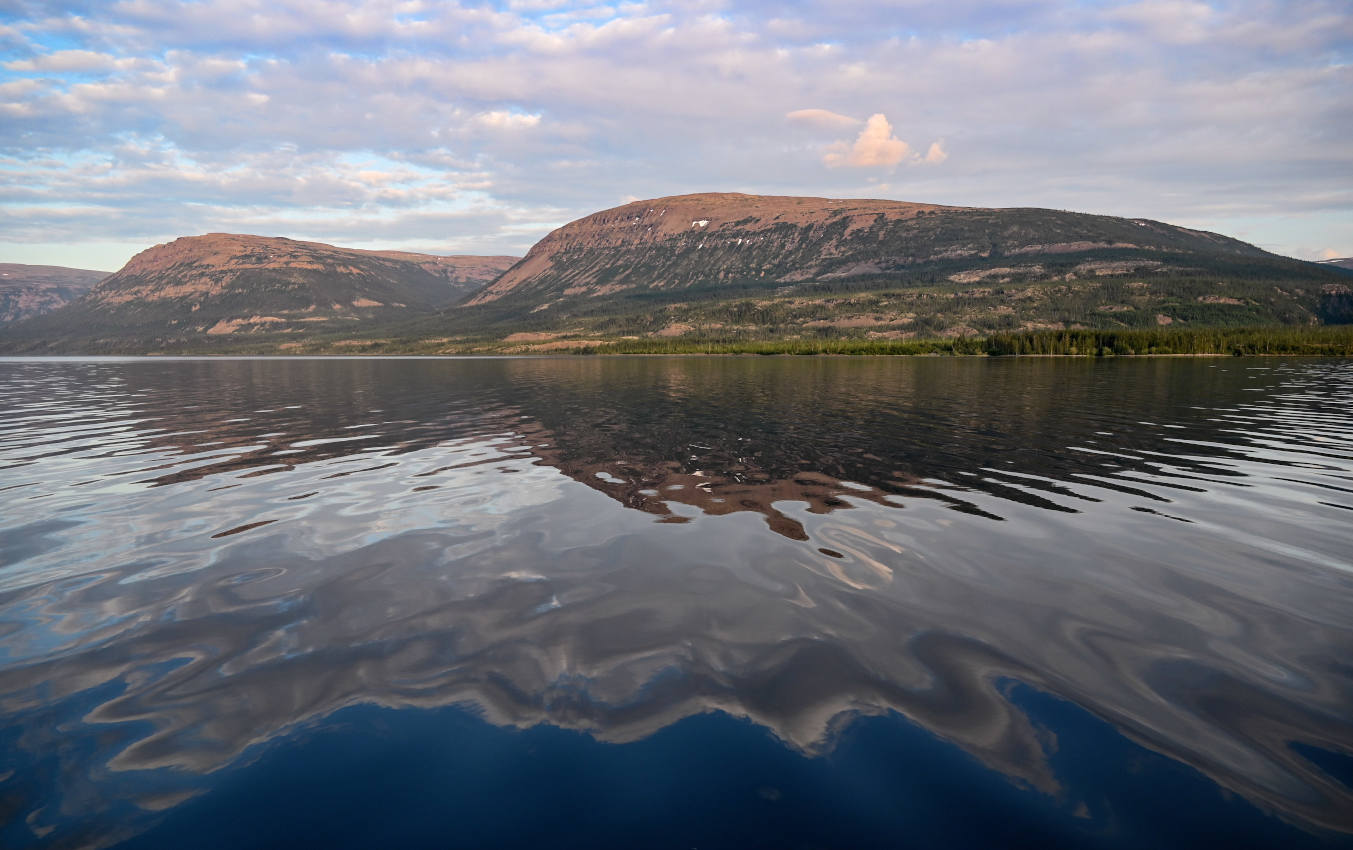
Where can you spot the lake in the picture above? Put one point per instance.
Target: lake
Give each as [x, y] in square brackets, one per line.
[676, 602]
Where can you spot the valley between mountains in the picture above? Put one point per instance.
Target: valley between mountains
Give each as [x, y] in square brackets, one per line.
[688, 270]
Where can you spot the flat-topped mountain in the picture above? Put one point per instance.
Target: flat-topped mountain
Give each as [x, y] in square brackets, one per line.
[652, 243]
[223, 284]
[27, 291]
[732, 266]
[287, 275]
[713, 240]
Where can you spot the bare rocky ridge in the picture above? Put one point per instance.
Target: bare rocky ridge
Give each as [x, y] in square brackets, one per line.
[27, 291]
[712, 240]
[220, 285]
[685, 220]
[314, 276]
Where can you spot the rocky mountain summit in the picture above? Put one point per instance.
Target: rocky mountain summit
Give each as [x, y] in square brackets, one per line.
[225, 284]
[709, 241]
[27, 291]
[740, 267]
[285, 275]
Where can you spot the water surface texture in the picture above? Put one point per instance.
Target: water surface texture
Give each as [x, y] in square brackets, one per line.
[677, 602]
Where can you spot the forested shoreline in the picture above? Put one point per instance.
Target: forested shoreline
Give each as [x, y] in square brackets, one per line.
[1318, 341]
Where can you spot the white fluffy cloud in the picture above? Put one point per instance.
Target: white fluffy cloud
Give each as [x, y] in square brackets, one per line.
[502, 119]
[64, 61]
[935, 154]
[878, 147]
[875, 147]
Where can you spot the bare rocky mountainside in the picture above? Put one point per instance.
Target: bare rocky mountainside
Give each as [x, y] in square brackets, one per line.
[720, 239]
[729, 264]
[724, 267]
[200, 288]
[27, 291]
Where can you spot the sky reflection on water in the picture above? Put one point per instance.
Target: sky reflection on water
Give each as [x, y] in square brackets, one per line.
[198, 558]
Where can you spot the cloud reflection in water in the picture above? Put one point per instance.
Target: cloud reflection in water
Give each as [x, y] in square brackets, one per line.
[204, 556]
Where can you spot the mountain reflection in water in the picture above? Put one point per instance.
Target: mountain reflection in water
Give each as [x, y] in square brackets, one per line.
[198, 558]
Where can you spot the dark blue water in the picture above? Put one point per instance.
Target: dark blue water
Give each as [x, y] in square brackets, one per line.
[676, 603]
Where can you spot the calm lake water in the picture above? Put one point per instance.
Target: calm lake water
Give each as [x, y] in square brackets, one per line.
[687, 602]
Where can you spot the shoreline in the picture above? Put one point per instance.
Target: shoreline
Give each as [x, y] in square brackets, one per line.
[1279, 341]
[547, 355]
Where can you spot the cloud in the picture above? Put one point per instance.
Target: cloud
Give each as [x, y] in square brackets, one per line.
[822, 118]
[69, 61]
[138, 116]
[875, 147]
[536, 5]
[1173, 21]
[935, 154]
[1331, 254]
[502, 119]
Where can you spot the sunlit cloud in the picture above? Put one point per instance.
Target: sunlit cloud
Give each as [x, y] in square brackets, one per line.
[501, 119]
[876, 146]
[822, 118]
[935, 154]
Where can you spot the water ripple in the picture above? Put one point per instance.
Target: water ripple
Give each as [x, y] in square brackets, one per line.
[206, 555]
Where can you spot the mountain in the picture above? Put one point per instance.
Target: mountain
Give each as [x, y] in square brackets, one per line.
[730, 264]
[1339, 262]
[27, 291]
[200, 289]
[725, 267]
[692, 241]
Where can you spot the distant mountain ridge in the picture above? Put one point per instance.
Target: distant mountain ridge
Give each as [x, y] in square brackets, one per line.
[735, 267]
[223, 284]
[768, 242]
[28, 290]
[712, 266]
[299, 275]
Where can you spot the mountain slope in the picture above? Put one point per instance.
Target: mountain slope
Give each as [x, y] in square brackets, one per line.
[691, 241]
[721, 267]
[198, 288]
[27, 291]
[740, 265]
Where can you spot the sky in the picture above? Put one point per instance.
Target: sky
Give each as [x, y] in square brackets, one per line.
[477, 128]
